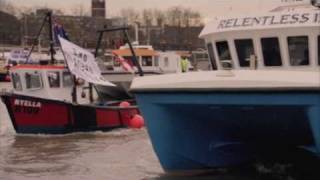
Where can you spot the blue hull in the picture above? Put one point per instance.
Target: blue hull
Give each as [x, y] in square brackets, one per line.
[197, 131]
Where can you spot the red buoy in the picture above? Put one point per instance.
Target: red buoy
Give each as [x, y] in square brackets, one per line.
[137, 121]
[124, 104]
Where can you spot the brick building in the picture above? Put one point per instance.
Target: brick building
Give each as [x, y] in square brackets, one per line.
[98, 8]
[9, 29]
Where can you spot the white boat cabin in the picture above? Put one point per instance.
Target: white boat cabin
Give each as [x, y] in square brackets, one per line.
[45, 81]
[149, 59]
[287, 38]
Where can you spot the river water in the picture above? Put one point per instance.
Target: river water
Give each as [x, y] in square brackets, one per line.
[124, 154]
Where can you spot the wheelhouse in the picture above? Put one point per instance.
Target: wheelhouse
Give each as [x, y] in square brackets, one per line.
[149, 59]
[146, 56]
[281, 40]
[54, 82]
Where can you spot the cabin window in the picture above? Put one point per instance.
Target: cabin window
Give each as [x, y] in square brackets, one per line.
[33, 80]
[271, 51]
[298, 50]
[224, 54]
[54, 79]
[319, 50]
[244, 49]
[223, 50]
[16, 81]
[211, 56]
[156, 61]
[67, 79]
[146, 60]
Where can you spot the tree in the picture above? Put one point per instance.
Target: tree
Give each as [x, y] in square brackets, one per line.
[7, 7]
[174, 16]
[147, 17]
[159, 17]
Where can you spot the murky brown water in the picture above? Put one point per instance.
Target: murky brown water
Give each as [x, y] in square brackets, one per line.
[118, 155]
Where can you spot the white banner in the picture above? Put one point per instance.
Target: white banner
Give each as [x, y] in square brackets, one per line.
[19, 56]
[82, 63]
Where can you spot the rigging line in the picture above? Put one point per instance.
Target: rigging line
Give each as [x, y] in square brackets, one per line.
[37, 37]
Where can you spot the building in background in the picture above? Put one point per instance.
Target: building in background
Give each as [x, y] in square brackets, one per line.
[9, 29]
[82, 29]
[98, 8]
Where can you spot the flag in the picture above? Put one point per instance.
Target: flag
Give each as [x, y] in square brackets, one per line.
[58, 30]
[124, 63]
[82, 63]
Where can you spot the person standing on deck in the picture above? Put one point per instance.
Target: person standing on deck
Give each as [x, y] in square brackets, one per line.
[184, 64]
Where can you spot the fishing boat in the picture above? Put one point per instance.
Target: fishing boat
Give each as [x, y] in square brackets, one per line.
[45, 97]
[115, 72]
[261, 97]
[117, 67]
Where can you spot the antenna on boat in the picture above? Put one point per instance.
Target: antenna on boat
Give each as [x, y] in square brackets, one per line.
[47, 19]
[126, 36]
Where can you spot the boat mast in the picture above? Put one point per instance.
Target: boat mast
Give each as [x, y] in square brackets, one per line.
[46, 19]
[49, 15]
[135, 60]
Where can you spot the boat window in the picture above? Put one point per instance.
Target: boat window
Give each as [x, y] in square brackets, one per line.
[156, 61]
[224, 54]
[319, 50]
[33, 80]
[146, 60]
[298, 50]
[16, 81]
[223, 50]
[211, 56]
[54, 79]
[67, 79]
[271, 51]
[244, 49]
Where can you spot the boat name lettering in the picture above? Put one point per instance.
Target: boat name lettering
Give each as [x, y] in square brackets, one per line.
[28, 107]
[298, 18]
[27, 103]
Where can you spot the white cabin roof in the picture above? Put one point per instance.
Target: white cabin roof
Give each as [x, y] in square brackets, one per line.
[230, 80]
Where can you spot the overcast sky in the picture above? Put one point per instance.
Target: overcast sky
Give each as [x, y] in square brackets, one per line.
[208, 8]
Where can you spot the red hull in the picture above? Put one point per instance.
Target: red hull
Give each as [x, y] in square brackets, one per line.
[36, 115]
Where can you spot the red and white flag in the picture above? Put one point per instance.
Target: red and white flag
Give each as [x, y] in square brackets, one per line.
[125, 65]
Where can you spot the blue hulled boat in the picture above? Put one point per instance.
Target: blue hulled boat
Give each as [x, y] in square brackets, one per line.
[261, 97]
